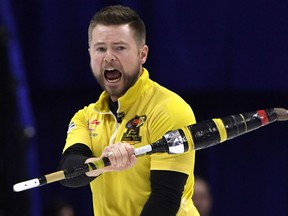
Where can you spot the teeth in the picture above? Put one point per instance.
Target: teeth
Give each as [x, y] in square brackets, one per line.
[110, 69]
[114, 80]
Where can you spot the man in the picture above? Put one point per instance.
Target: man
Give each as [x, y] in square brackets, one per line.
[132, 111]
[202, 196]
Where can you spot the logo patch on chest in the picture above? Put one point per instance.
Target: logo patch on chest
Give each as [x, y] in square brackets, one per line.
[92, 124]
[133, 129]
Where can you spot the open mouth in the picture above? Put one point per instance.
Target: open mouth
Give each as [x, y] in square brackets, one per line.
[112, 75]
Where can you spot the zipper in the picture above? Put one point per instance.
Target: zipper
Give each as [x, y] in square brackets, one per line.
[112, 138]
[116, 129]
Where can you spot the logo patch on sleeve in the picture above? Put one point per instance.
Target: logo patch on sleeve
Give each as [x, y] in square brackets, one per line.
[133, 129]
[71, 126]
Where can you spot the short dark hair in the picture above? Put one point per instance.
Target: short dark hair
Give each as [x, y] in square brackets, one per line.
[119, 15]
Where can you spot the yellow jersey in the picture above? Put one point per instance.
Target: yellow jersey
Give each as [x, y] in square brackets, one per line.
[147, 112]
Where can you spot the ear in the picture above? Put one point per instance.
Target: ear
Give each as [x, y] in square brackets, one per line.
[144, 54]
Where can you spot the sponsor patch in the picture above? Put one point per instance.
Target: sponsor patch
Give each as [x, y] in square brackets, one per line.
[133, 129]
[92, 125]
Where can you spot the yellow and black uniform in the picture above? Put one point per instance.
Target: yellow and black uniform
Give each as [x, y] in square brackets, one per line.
[145, 113]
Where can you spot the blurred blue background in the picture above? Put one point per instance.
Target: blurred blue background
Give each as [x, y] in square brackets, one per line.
[223, 57]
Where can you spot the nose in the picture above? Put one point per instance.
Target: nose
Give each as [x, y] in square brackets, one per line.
[109, 57]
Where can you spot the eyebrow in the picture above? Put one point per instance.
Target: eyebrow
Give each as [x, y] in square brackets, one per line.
[114, 43]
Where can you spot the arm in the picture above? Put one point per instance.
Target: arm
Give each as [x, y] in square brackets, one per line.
[74, 156]
[170, 188]
[166, 193]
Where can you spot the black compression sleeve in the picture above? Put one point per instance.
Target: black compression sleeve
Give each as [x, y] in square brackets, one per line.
[75, 156]
[166, 192]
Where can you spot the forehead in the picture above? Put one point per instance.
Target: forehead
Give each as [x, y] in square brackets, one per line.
[111, 33]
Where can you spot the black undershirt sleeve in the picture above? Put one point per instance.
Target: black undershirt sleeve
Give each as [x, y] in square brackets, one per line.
[166, 192]
[75, 156]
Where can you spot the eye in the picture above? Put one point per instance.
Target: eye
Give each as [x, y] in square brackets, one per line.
[100, 49]
[120, 48]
